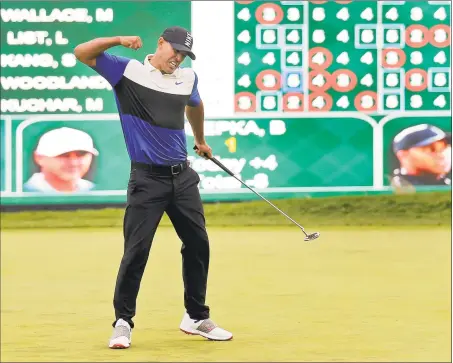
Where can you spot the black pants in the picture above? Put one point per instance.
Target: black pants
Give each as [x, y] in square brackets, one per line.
[149, 195]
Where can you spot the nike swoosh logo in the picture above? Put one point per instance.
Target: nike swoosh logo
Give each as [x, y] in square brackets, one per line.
[178, 83]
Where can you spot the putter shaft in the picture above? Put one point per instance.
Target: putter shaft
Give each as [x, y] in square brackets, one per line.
[220, 165]
[273, 205]
[308, 237]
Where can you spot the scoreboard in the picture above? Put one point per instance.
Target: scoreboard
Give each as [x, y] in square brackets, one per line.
[301, 97]
[362, 56]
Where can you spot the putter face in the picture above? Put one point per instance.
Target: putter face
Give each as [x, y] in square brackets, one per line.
[312, 236]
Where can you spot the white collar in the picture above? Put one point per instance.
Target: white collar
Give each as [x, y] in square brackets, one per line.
[147, 63]
[151, 68]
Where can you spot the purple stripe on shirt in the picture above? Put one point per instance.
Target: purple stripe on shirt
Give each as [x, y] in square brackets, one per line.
[151, 144]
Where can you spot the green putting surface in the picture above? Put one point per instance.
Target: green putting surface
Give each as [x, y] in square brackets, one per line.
[353, 295]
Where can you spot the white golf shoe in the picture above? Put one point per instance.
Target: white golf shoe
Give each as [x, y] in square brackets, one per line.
[121, 337]
[206, 328]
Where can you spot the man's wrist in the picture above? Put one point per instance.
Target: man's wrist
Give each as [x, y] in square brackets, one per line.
[116, 40]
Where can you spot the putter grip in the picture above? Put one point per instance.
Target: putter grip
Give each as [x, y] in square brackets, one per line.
[219, 164]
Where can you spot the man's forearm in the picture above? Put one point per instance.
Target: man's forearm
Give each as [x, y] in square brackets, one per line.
[89, 51]
[195, 115]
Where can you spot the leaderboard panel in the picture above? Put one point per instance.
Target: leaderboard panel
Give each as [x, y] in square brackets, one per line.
[39, 72]
[280, 157]
[285, 155]
[366, 56]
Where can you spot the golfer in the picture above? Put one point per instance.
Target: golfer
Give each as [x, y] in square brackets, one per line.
[152, 96]
[424, 156]
[64, 156]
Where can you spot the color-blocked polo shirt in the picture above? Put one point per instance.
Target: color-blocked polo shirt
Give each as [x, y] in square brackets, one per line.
[151, 106]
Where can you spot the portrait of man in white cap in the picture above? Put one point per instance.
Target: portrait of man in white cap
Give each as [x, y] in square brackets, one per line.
[64, 157]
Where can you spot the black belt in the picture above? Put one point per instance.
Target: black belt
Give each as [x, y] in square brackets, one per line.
[165, 170]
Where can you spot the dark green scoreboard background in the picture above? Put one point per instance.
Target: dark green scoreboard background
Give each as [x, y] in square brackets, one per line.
[320, 91]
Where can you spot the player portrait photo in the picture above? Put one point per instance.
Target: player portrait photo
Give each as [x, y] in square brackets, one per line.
[63, 158]
[421, 156]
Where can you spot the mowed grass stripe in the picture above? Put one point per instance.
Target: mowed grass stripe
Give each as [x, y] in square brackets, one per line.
[422, 209]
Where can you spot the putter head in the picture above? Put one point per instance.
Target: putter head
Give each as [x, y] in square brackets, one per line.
[311, 236]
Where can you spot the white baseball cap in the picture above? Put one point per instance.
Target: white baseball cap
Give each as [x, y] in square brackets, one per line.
[63, 140]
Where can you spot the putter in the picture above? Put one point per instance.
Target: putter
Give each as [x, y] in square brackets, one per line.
[308, 237]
